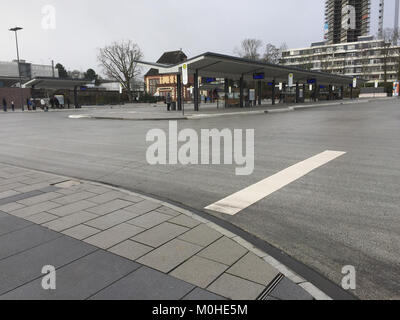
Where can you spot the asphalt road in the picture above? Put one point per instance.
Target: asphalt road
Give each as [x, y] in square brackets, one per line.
[344, 213]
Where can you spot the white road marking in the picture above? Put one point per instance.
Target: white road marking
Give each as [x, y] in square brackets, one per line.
[245, 198]
[79, 116]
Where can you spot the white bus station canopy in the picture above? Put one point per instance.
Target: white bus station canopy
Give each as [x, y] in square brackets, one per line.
[222, 66]
[55, 83]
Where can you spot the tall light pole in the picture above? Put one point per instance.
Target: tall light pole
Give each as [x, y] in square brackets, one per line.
[396, 22]
[15, 30]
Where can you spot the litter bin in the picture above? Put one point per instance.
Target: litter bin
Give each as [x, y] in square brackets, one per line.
[173, 106]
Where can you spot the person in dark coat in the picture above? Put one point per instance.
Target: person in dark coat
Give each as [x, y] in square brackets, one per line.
[33, 104]
[68, 103]
[4, 105]
[168, 101]
[52, 102]
[57, 103]
[12, 106]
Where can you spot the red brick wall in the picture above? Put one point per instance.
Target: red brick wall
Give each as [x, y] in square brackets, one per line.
[13, 94]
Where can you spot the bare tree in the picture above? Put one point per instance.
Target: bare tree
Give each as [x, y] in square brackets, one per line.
[119, 62]
[392, 36]
[273, 54]
[250, 49]
[388, 40]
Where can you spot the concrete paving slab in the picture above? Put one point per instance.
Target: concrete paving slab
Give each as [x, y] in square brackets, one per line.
[185, 221]
[132, 198]
[255, 269]
[63, 211]
[75, 197]
[32, 187]
[112, 219]
[202, 295]
[24, 239]
[199, 271]
[150, 220]
[78, 280]
[11, 186]
[106, 197]
[288, 290]
[27, 266]
[70, 221]
[236, 288]
[201, 235]
[81, 232]
[40, 198]
[69, 184]
[113, 236]
[10, 223]
[34, 209]
[160, 235]
[10, 207]
[95, 189]
[170, 255]
[109, 207]
[131, 250]
[146, 284]
[41, 218]
[168, 211]
[225, 251]
[143, 207]
[7, 194]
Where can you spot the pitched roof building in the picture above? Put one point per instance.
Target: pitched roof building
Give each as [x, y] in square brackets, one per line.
[162, 85]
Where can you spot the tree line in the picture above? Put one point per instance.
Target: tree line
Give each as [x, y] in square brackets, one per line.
[254, 49]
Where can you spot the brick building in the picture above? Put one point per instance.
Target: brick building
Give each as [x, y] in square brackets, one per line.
[162, 85]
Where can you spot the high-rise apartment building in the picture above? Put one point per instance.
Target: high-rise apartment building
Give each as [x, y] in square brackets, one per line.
[346, 20]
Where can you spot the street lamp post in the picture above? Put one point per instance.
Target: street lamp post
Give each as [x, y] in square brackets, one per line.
[15, 30]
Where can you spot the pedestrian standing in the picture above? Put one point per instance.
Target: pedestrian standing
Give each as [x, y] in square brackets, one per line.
[168, 101]
[57, 103]
[4, 105]
[33, 104]
[12, 106]
[52, 102]
[44, 105]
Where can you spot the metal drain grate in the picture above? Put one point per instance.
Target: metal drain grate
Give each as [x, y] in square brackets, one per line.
[264, 295]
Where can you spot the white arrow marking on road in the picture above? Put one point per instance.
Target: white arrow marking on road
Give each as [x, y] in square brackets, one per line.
[245, 198]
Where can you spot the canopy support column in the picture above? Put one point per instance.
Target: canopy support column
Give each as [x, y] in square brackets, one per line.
[259, 93]
[179, 91]
[76, 100]
[241, 92]
[273, 92]
[297, 93]
[351, 91]
[196, 91]
[226, 92]
[316, 91]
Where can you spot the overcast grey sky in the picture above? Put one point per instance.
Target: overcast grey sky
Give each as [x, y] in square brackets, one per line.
[83, 26]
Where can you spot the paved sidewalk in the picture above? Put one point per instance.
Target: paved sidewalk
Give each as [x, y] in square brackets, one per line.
[157, 113]
[108, 243]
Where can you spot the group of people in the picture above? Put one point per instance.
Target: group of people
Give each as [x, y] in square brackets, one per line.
[5, 105]
[31, 104]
